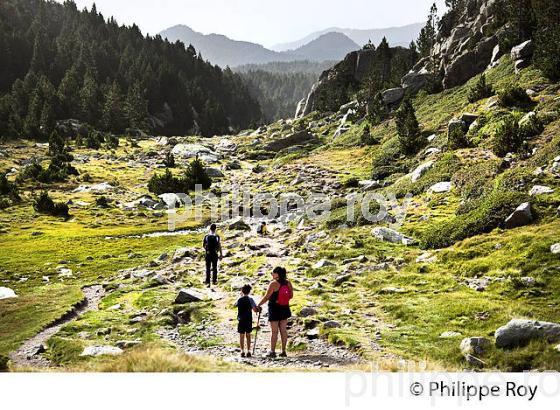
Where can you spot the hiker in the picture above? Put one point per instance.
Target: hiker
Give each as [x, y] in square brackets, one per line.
[245, 305]
[213, 247]
[262, 229]
[278, 296]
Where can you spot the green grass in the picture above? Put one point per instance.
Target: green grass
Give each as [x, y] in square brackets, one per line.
[26, 315]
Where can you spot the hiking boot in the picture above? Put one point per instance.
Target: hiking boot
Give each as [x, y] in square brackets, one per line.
[283, 354]
[243, 354]
[215, 282]
[248, 354]
[271, 355]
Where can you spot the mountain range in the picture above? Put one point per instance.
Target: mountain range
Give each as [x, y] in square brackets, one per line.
[396, 36]
[329, 44]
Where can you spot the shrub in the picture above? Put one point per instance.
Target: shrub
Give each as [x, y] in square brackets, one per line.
[366, 138]
[480, 90]
[456, 138]
[490, 214]
[45, 205]
[196, 174]
[3, 363]
[408, 129]
[530, 126]
[169, 160]
[112, 141]
[8, 188]
[166, 183]
[102, 202]
[513, 95]
[351, 182]
[507, 137]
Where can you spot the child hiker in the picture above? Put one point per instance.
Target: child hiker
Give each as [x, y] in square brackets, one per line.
[245, 305]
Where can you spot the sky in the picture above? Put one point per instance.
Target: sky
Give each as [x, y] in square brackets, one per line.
[265, 22]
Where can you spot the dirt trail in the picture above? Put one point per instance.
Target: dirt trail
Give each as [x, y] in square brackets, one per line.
[315, 354]
[29, 353]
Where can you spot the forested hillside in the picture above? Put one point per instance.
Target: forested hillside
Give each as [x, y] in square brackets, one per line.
[57, 62]
[277, 93]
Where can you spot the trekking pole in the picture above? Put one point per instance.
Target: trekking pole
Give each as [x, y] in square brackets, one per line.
[256, 332]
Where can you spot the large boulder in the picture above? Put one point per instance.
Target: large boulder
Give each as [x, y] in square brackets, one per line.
[519, 332]
[470, 63]
[239, 225]
[415, 81]
[298, 138]
[440, 187]
[421, 170]
[392, 95]
[473, 348]
[214, 172]
[189, 295]
[7, 293]
[390, 235]
[555, 249]
[187, 151]
[523, 50]
[520, 217]
[101, 351]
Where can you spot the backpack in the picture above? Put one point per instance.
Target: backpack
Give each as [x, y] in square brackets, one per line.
[284, 295]
[212, 244]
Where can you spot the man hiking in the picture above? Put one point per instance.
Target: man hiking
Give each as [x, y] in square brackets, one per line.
[213, 247]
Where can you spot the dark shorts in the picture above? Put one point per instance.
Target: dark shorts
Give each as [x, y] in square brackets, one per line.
[245, 326]
[278, 312]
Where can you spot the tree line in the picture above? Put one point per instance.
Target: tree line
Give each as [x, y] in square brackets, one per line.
[57, 62]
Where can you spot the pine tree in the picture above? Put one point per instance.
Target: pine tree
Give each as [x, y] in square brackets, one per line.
[69, 94]
[427, 37]
[196, 174]
[408, 129]
[136, 107]
[113, 118]
[547, 37]
[90, 99]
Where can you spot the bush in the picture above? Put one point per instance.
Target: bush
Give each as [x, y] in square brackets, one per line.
[490, 214]
[456, 138]
[507, 137]
[351, 182]
[530, 126]
[3, 363]
[366, 138]
[408, 129]
[45, 205]
[513, 96]
[480, 90]
[102, 202]
[167, 183]
[8, 188]
[112, 141]
[169, 160]
[196, 174]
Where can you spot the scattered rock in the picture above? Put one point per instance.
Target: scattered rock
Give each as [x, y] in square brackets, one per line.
[307, 311]
[214, 172]
[101, 350]
[187, 151]
[518, 332]
[339, 280]
[312, 334]
[474, 347]
[368, 185]
[440, 187]
[555, 248]
[520, 217]
[390, 235]
[7, 293]
[392, 289]
[125, 344]
[426, 257]
[421, 170]
[239, 225]
[97, 188]
[522, 51]
[359, 259]
[323, 263]
[449, 334]
[188, 295]
[332, 324]
[540, 190]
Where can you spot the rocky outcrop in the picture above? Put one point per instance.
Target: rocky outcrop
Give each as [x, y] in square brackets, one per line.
[7, 293]
[519, 332]
[390, 235]
[520, 217]
[298, 138]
